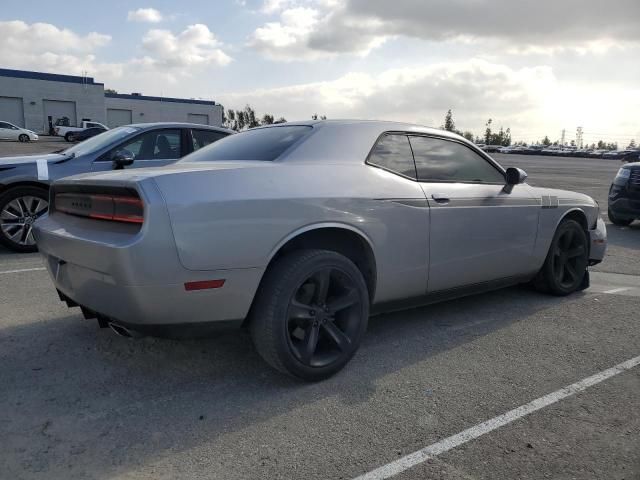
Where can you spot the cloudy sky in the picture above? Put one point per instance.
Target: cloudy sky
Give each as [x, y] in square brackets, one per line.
[537, 67]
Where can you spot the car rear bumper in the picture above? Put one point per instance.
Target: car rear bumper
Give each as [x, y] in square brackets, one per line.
[598, 238]
[149, 305]
[138, 281]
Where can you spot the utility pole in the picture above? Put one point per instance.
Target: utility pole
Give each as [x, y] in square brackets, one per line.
[579, 132]
[564, 133]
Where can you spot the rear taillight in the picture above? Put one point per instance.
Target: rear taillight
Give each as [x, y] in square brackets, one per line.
[116, 208]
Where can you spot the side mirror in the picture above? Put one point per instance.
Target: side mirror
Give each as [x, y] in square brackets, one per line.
[122, 158]
[514, 176]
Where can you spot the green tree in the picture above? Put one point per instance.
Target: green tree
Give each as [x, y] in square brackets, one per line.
[267, 119]
[632, 144]
[449, 124]
[468, 135]
[488, 135]
[545, 141]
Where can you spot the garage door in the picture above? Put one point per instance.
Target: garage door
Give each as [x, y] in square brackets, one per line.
[12, 111]
[198, 118]
[117, 117]
[57, 109]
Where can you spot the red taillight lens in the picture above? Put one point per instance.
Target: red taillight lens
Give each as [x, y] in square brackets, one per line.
[117, 208]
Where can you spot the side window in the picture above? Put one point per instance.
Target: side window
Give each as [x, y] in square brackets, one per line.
[4, 125]
[154, 145]
[393, 153]
[439, 160]
[202, 138]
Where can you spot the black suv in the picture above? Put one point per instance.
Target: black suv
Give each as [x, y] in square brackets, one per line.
[624, 195]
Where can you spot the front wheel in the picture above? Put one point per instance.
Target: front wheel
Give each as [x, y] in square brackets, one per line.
[20, 207]
[23, 138]
[566, 264]
[310, 314]
[621, 222]
[69, 137]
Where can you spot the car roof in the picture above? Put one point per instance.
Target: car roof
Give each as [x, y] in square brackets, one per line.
[180, 125]
[339, 141]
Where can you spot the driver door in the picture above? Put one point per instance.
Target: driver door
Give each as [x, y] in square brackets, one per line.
[478, 232]
[154, 148]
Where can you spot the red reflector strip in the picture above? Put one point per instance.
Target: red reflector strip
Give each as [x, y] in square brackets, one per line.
[203, 285]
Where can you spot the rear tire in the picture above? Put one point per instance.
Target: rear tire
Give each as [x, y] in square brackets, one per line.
[310, 314]
[622, 222]
[23, 138]
[19, 208]
[566, 264]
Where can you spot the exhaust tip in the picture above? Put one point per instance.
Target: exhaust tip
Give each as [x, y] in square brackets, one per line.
[123, 331]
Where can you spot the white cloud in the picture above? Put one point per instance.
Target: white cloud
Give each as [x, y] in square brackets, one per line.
[148, 15]
[45, 47]
[19, 37]
[311, 29]
[167, 57]
[194, 46]
[307, 33]
[474, 89]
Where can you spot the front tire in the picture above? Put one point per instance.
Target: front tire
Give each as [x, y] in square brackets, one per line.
[310, 314]
[69, 137]
[621, 222]
[566, 264]
[23, 138]
[20, 207]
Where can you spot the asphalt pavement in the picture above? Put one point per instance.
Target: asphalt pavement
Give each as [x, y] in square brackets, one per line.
[78, 402]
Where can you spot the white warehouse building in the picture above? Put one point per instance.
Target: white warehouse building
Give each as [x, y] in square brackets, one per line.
[35, 100]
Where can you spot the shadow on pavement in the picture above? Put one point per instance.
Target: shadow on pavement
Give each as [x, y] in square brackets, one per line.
[77, 401]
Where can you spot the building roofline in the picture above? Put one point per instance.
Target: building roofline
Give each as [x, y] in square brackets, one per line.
[159, 99]
[52, 77]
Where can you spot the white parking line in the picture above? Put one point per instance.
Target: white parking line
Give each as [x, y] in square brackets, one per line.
[421, 456]
[617, 290]
[22, 270]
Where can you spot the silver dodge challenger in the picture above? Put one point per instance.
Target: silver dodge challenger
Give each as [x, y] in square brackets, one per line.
[300, 231]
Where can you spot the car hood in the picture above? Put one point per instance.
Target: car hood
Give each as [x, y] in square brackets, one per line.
[15, 161]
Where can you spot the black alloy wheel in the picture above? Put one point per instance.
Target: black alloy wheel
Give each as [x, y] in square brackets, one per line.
[566, 264]
[23, 138]
[310, 314]
[323, 317]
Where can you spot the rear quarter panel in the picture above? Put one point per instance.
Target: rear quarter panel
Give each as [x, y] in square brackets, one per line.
[238, 218]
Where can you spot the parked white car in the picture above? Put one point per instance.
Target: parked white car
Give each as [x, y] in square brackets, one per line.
[9, 131]
[68, 132]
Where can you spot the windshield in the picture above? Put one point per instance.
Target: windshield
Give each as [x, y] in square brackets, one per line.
[99, 141]
[265, 144]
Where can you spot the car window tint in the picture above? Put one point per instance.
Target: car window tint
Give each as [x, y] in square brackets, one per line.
[393, 152]
[4, 125]
[264, 144]
[446, 161]
[154, 145]
[202, 138]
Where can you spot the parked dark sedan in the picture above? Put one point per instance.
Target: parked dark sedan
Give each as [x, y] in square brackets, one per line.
[624, 195]
[83, 135]
[24, 181]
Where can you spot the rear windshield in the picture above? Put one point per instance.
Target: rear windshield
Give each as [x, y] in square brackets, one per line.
[265, 144]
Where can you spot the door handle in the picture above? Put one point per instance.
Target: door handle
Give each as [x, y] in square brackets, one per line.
[440, 198]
